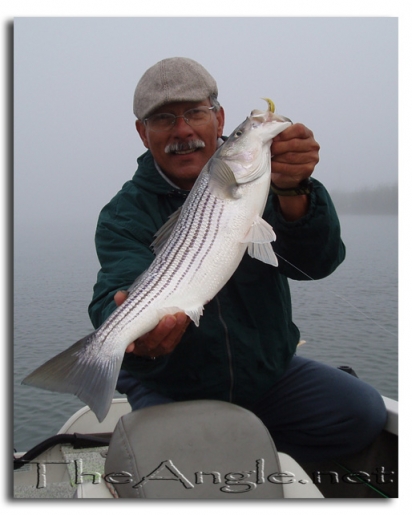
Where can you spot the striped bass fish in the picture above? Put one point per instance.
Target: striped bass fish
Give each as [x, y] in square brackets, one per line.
[197, 251]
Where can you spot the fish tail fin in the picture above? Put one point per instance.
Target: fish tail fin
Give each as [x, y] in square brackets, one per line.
[83, 370]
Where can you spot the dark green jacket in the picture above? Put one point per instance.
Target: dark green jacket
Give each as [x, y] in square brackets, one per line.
[246, 336]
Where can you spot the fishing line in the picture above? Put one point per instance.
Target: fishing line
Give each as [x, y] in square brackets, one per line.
[344, 299]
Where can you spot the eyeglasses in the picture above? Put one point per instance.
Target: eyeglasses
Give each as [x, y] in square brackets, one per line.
[165, 121]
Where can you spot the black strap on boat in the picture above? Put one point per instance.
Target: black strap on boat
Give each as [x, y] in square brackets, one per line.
[348, 369]
[77, 440]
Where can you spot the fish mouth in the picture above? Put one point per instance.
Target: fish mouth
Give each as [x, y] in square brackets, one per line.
[268, 116]
[184, 148]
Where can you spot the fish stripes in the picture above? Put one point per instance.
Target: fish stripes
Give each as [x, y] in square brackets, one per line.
[196, 254]
[192, 241]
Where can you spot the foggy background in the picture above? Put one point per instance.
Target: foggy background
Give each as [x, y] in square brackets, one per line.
[74, 138]
[75, 143]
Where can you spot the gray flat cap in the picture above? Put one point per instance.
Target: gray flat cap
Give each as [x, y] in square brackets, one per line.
[177, 79]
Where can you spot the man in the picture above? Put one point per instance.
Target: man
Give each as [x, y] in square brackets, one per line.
[244, 349]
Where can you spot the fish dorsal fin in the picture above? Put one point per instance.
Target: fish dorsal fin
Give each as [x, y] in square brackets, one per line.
[222, 182]
[162, 235]
[258, 239]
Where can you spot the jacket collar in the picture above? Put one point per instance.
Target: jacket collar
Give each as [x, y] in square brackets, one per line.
[148, 176]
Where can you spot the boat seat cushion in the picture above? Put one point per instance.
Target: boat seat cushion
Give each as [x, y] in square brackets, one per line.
[194, 450]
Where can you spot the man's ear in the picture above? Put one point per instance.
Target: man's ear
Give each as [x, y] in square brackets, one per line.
[220, 115]
[141, 129]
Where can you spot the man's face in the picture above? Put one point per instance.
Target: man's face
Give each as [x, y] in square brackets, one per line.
[183, 167]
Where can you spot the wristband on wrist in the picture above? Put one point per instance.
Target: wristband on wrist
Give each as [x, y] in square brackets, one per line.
[304, 188]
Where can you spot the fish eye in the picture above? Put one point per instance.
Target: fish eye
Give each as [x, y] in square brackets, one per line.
[238, 133]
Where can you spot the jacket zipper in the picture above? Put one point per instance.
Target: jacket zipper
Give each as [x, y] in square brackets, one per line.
[229, 352]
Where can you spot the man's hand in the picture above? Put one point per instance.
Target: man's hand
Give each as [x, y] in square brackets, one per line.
[295, 153]
[163, 338]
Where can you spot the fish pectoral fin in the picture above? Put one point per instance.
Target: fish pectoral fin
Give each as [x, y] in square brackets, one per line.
[264, 252]
[222, 182]
[258, 239]
[260, 232]
[83, 370]
[162, 235]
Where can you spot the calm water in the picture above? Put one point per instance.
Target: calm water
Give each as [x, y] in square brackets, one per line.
[349, 318]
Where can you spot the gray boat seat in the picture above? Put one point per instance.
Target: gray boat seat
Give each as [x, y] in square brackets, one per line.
[198, 450]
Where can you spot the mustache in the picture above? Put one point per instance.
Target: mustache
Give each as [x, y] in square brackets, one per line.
[184, 146]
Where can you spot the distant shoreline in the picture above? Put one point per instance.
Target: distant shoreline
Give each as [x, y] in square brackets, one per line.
[378, 200]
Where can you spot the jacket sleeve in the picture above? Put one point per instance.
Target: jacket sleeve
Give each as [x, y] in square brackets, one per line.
[311, 247]
[123, 248]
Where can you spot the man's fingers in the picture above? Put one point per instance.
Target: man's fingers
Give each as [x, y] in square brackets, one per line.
[163, 338]
[120, 297]
[295, 139]
[297, 130]
[173, 338]
[130, 347]
[169, 331]
[161, 331]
